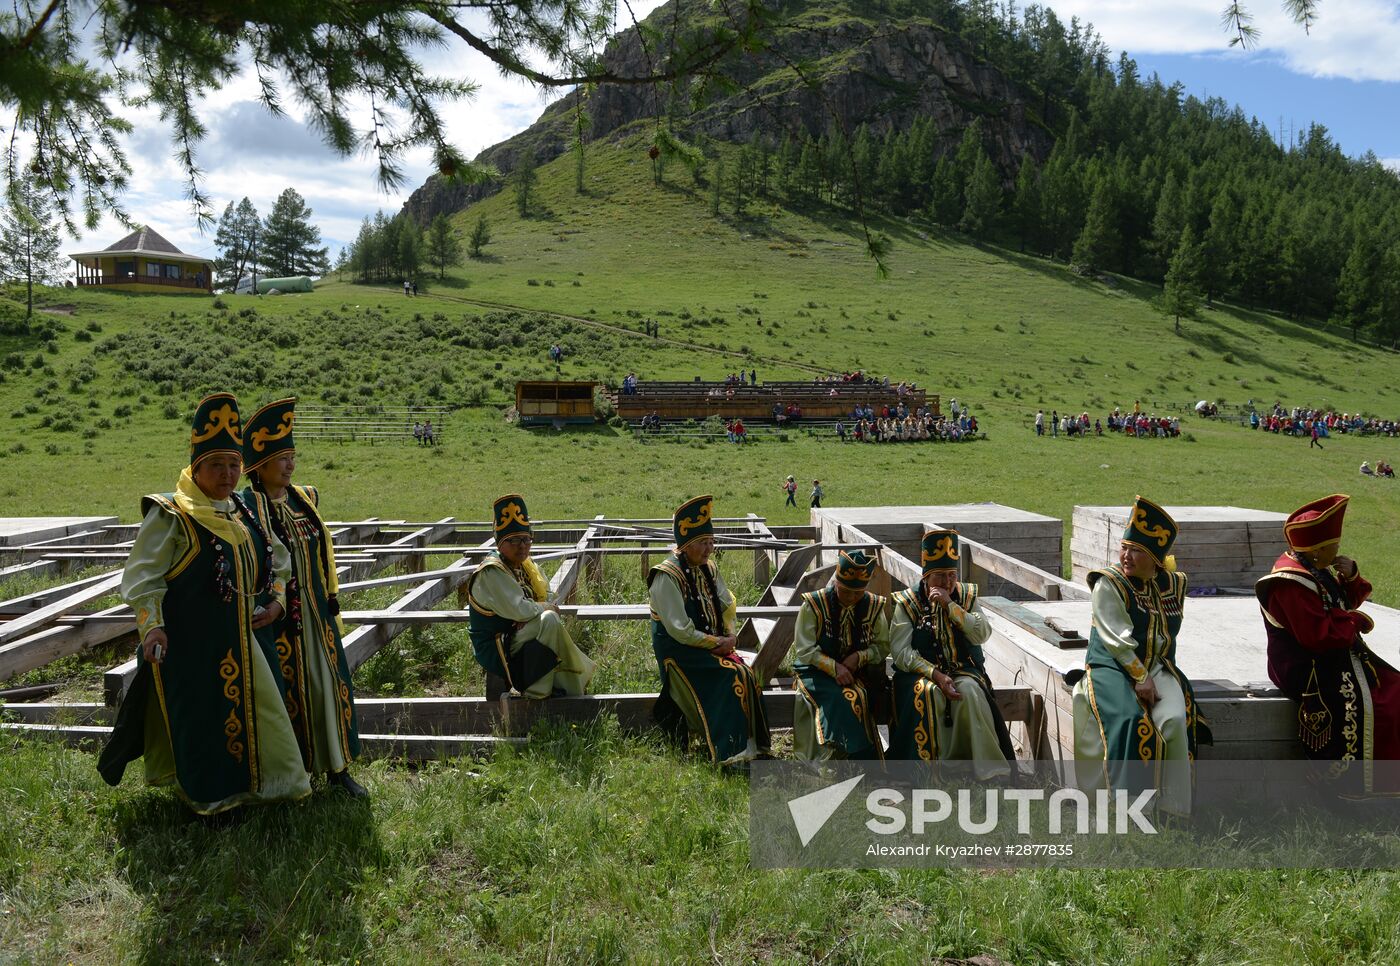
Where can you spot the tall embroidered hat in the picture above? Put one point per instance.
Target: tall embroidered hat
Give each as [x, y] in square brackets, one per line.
[692, 521]
[1151, 528]
[854, 569]
[939, 551]
[268, 433]
[510, 515]
[216, 428]
[1316, 524]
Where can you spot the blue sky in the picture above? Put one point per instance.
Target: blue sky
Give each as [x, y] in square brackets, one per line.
[1345, 74]
[1360, 115]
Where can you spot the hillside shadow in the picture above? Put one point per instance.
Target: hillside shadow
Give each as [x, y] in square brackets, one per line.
[1051, 269]
[260, 885]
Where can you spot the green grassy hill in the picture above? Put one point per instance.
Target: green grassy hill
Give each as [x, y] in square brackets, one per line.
[590, 846]
[102, 405]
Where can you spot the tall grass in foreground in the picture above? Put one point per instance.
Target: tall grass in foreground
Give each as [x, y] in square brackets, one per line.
[587, 846]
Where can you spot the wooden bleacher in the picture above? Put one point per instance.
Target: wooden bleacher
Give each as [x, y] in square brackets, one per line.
[369, 423]
[818, 401]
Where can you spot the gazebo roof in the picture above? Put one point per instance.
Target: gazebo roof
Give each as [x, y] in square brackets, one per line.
[143, 241]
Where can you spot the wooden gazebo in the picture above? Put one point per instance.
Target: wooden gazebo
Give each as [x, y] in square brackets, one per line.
[145, 262]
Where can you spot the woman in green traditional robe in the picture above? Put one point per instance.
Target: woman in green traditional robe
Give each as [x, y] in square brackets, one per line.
[1136, 725]
[205, 708]
[308, 642]
[945, 708]
[840, 645]
[516, 632]
[706, 689]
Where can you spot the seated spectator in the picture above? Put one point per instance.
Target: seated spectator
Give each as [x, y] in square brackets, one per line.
[1366, 469]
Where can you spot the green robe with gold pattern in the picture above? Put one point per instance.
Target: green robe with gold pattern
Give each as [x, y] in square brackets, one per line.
[210, 718]
[714, 697]
[832, 720]
[319, 692]
[928, 726]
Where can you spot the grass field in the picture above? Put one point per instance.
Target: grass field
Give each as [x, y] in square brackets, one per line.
[591, 846]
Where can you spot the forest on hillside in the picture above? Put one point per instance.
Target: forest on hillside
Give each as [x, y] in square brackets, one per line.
[1140, 179]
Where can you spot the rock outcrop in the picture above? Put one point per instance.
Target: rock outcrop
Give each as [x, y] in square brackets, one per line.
[854, 70]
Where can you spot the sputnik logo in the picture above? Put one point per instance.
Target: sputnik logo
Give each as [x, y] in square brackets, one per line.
[812, 811]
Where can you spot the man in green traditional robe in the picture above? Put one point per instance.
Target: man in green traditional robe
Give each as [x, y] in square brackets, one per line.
[516, 632]
[204, 578]
[945, 708]
[706, 689]
[1135, 719]
[320, 693]
[842, 631]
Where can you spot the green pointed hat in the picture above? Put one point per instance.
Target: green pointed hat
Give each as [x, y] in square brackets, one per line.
[939, 551]
[692, 521]
[510, 515]
[854, 569]
[216, 428]
[1151, 528]
[267, 433]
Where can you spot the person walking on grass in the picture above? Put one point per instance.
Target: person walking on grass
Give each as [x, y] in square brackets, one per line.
[1315, 434]
[816, 494]
[790, 488]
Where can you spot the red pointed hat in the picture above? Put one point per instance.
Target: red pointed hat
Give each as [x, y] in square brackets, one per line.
[1317, 524]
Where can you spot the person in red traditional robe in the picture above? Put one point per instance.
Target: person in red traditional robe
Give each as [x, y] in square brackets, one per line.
[1348, 698]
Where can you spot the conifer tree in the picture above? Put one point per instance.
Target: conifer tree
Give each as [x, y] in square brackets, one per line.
[291, 244]
[29, 242]
[444, 249]
[480, 236]
[1181, 293]
[983, 198]
[1026, 205]
[1098, 242]
[524, 179]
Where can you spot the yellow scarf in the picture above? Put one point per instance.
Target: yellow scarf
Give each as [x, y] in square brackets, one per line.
[537, 582]
[190, 498]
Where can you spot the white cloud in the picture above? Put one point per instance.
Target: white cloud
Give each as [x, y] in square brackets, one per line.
[1353, 39]
[251, 153]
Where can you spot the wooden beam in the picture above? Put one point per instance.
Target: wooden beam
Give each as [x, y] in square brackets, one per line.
[53, 643]
[1042, 583]
[34, 568]
[36, 619]
[584, 612]
[404, 747]
[1028, 620]
[362, 643]
[40, 598]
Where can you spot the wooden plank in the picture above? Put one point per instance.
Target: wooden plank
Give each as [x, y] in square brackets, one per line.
[1042, 583]
[565, 580]
[433, 747]
[53, 643]
[1034, 623]
[405, 747]
[57, 712]
[427, 716]
[362, 643]
[779, 639]
[34, 568]
[40, 598]
[633, 711]
[36, 619]
[586, 612]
